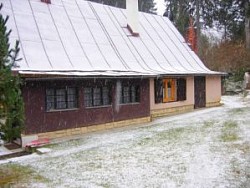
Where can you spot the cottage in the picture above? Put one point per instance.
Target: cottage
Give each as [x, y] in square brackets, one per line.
[88, 67]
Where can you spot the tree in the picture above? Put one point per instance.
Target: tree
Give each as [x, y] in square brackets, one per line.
[144, 5]
[11, 103]
[228, 56]
[178, 13]
[147, 6]
[247, 24]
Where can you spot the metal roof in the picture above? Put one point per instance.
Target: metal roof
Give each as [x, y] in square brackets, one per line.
[82, 38]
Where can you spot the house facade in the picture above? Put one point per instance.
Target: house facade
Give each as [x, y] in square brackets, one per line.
[88, 67]
[170, 95]
[64, 107]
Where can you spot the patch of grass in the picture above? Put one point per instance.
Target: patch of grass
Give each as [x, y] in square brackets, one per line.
[229, 137]
[167, 136]
[105, 185]
[243, 147]
[239, 111]
[145, 141]
[236, 111]
[209, 124]
[228, 125]
[11, 174]
[73, 143]
[172, 134]
[229, 131]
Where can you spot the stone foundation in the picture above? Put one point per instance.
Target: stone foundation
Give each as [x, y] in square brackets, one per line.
[171, 111]
[92, 128]
[213, 104]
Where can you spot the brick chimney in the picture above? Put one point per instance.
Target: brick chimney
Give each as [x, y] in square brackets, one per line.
[132, 17]
[46, 1]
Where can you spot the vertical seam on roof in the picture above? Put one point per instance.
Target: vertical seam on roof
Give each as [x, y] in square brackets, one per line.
[204, 68]
[158, 49]
[14, 17]
[110, 39]
[159, 72]
[76, 33]
[40, 34]
[190, 64]
[121, 34]
[90, 5]
[60, 38]
[166, 44]
[201, 66]
[149, 51]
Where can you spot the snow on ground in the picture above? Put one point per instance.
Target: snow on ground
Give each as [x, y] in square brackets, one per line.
[205, 148]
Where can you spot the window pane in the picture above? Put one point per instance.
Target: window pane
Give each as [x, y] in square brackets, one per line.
[50, 102]
[97, 96]
[169, 94]
[60, 99]
[72, 104]
[88, 97]
[126, 94]
[72, 98]
[105, 96]
[50, 92]
[71, 91]
[138, 93]
[133, 94]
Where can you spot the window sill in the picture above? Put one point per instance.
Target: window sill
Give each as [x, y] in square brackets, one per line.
[133, 103]
[62, 110]
[170, 102]
[93, 107]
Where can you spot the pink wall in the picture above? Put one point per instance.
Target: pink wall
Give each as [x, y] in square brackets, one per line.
[189, 101]
[213, 89]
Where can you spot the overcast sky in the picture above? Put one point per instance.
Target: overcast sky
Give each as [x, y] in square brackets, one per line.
[160, 4]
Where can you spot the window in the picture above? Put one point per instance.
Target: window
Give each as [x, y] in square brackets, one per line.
[130, 94]
[61, 98]
[170, 90]
[97, 96]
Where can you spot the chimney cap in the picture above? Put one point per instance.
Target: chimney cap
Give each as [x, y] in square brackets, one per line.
[46, 1]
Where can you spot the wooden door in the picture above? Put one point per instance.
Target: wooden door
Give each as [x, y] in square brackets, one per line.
[199, 91]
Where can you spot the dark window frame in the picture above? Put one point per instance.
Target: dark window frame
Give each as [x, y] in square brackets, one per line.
[181, 90]
[105, 98]
[64, 99]
[130, 93]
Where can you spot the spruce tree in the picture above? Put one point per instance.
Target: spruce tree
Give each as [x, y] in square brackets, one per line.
[11, 103]
[144, 5]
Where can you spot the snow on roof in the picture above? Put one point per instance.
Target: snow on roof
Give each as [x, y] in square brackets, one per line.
[82, 38]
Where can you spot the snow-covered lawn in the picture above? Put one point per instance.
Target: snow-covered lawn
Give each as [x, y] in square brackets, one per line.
[205, 148]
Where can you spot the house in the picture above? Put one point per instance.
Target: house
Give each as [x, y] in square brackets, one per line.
[88, 67]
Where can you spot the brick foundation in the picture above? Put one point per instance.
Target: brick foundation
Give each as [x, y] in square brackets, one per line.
[171, 111]
[93, 128]
[213, 104]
